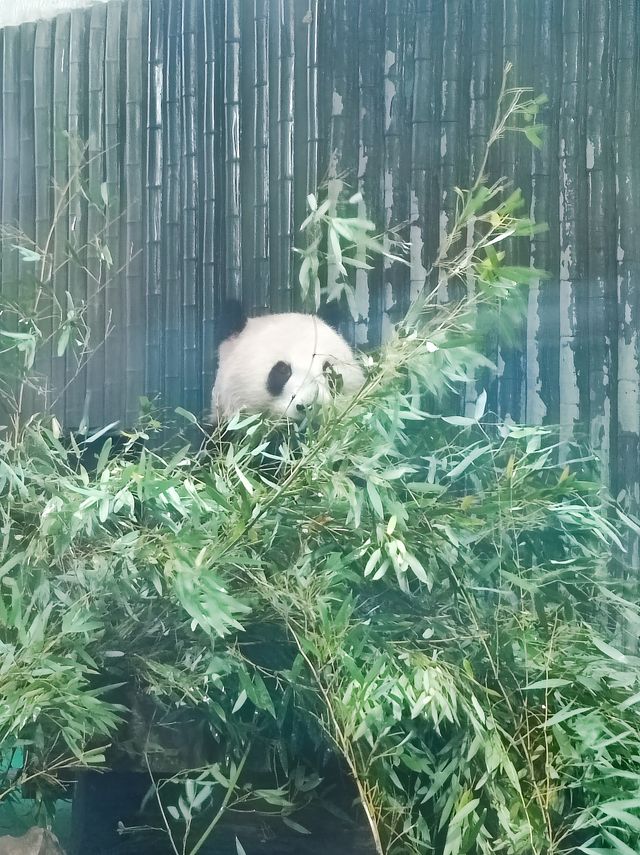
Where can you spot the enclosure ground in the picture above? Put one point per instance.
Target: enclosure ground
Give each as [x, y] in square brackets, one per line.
[329, 835]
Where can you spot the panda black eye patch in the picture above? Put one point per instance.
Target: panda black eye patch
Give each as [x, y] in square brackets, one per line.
[334, 378]
[277, 378]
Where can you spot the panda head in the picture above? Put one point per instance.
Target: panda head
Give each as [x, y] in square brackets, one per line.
[279, 365]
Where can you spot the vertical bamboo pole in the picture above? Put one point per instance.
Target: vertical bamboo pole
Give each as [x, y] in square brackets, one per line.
[114, 138]
[135, 189]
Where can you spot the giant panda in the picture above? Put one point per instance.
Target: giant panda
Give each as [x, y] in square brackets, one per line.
[280, 365]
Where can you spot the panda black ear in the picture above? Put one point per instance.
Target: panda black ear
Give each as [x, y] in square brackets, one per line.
[331, 314]
[232, 319]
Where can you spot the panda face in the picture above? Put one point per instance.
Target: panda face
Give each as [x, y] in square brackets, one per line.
[281, 364]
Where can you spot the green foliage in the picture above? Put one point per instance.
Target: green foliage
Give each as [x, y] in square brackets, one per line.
[424, 592]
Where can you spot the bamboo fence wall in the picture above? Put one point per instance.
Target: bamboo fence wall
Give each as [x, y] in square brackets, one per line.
[217, 117]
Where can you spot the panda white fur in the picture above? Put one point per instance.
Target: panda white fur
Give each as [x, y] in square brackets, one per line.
[279, 365]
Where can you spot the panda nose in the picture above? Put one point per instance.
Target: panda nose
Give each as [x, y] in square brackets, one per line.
[300, 408]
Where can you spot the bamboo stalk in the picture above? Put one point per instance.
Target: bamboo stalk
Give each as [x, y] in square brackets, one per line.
[543, 317]
[96, 302]
[454, 112]
[481, 114]
[260, 156]
[274, 141]
[169, 333]
[9, 171]
[192, 395]
[76, 391]
[135, 187]
[312, 100]
[282, 292]
[369, 290]
[397, 154]
[43, 185]
[320, 53]
[510, 356]
[210, 276]
[114, 109]
[232, 224]
[60, 178]
[10, 161]
[27, 286]
[344, 110]
[482, 83]
[627, 186]
[600, 242]
[572, 202]
[153, 211]
[300, 27]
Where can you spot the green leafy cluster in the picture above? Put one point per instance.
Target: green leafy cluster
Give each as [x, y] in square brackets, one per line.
[426, 593]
